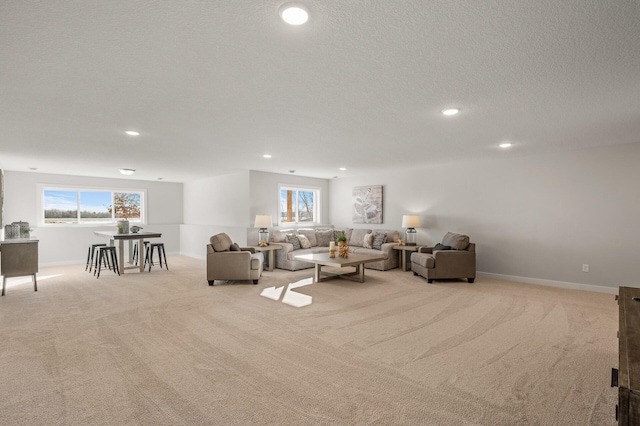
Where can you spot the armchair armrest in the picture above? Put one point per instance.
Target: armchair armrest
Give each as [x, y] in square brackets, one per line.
[425, 250]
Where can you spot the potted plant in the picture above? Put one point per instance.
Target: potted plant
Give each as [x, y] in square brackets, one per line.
[341, 239]
[125, 206]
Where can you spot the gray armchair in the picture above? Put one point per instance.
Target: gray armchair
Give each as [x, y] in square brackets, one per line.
[227, 261]
[455, 257]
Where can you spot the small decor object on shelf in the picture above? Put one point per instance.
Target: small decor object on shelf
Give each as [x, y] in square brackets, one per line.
[135, 229]
[332, 249]
[12, 231]
[400, 242]
[343, 250]
[263, 243]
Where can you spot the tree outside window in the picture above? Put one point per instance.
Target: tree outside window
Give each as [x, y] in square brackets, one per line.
[65, 206]
[299, 205]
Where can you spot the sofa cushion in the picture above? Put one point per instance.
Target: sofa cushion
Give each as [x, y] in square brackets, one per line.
[280, 236]
[304, 242]
[392, 235]
[310, 234]
[379, 238]
[221, 242]
[425, 260]
[346, 231]
[323, 237]
[234, 247]
[357, 237]
[293, 240]
[456, 241]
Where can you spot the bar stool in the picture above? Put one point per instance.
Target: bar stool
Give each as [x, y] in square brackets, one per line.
[103, 252]
[136, 252]
[161, 253]
[90, 254]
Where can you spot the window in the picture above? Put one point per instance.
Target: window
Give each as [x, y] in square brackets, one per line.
[86, 206]
[299, 205]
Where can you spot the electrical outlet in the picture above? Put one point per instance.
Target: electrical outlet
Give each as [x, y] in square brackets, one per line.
[585, 267]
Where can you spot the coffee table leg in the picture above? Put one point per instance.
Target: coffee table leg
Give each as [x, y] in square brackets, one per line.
[316, 275]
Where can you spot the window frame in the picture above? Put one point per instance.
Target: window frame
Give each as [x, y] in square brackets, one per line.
[317, 211]
[78, 189]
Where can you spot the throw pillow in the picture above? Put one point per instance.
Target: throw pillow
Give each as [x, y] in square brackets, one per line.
[368, 241]
[379, 239]
[304, 242]
[234, 247]
[293, 239]
[324, 237]
[441, 247]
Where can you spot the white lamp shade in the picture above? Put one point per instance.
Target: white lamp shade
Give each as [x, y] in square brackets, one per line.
[263, 221]
[409, 221]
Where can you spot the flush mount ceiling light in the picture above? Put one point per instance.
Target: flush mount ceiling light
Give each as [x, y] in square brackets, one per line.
[505, 144]
[294, 13]
[127, 172]
[132, 133]
[266, 156]
[343, 168]
[451, 111]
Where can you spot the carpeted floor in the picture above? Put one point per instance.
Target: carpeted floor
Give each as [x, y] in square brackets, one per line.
[164, 348]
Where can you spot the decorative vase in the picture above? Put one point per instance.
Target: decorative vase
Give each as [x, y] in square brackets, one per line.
[123, 226]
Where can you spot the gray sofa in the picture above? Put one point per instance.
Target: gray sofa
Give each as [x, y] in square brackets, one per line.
[319, 238]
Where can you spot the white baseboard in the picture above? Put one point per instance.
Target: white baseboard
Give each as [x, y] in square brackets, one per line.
[550, 283]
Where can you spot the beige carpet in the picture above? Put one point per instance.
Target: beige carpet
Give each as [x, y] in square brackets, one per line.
[164, 348]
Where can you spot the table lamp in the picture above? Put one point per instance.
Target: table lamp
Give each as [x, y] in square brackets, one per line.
[263, 221]
[411, 223]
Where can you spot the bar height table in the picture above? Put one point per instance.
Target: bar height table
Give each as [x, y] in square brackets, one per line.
[140, 236]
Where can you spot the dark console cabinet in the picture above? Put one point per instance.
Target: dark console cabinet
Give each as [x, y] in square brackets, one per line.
[627, 377]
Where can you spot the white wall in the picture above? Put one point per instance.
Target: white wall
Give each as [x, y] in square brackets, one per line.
[60, 245]
[230, 203]
[265, 198]
[534, 219]
[214, 205]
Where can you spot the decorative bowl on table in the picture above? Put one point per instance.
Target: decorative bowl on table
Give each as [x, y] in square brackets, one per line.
[135, 229]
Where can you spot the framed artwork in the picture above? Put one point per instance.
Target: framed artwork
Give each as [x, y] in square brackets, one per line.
[367, 204]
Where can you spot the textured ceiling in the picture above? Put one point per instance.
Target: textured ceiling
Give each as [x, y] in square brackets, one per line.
[212, 85]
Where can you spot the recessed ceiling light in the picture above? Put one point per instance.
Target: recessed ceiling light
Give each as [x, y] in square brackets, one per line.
[451, 111]
[160, 178]
[505, 144]
[33, 168]
[294, 13]
[132, 133]
[267, 156]
[343, 168]
[292, 171]
[127, 172]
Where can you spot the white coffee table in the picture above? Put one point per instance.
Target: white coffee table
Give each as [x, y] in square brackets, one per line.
[323, 259]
